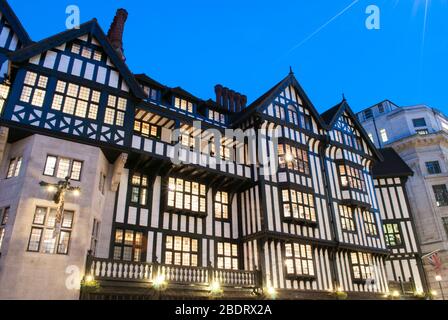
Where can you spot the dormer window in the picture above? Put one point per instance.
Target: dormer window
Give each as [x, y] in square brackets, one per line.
[151, 93]
[216, 116]
[183, 104]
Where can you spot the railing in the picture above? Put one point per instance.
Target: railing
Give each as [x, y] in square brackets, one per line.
[104, 269]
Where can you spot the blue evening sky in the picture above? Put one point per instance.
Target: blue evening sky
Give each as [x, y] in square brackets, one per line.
[246, 45]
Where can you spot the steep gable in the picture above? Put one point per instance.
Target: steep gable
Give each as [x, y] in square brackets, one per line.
[276, 102]
[341, 119]
[86, 53]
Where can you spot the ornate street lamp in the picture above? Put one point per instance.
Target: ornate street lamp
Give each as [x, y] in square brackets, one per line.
[60, 189]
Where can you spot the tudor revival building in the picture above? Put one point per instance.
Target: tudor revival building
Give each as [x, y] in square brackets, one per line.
[72, 108]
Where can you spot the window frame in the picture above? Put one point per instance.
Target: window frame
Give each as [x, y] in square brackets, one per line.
[135, 246]
[299, 165]
[4, 217]
[359, 184]
[44, 227]
[417, 124]
[299, 194]
[343, 215]
[34, 88]
[443, 193]
[433, 167]
[14, 167]
[222, 204]
[370, 224]
[182, 252]
[294, 258]
[113, 104]
[396, 231]
[56, 167]
[366, 275]
[184, 210]
[234, 258]
[138, 129]
[142, 186]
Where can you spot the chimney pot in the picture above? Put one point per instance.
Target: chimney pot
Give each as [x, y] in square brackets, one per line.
[218, 91]
[243, 102]
[116, 31]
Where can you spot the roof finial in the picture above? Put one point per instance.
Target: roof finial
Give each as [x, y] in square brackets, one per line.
[290, 70]
[343, 97]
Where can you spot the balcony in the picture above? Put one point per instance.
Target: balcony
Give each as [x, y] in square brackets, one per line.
[139, 278]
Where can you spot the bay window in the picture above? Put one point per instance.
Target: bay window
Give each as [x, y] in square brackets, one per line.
[43, 237]
[34, 89]
[186, 195]
[128, 245]
[298, 205]
[76, 100]
[227, 256]
[347, 220]
[181, 251]
[370, 224]
[361, 266]
[299, 260]
[294, 159]
[351, 178]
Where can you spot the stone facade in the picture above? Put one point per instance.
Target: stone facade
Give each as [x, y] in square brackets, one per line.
[418, 142]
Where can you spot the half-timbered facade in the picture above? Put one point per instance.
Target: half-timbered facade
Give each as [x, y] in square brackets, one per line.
[164, 200]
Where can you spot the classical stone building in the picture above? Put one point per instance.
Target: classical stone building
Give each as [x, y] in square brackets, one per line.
[157, 207]
[419, 134]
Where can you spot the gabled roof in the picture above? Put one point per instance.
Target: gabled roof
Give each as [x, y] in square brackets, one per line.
[15, 23]
[392, 165]
[289, 80]
[90, 27]
[332, 115]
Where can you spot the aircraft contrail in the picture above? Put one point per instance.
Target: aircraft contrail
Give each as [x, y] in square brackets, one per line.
[322, 27]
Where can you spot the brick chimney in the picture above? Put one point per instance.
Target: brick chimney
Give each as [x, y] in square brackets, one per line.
[116, 30]
[229, 99]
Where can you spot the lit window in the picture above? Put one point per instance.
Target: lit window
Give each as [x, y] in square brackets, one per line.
[186, 195]
[150, 93]
[347, 220]
[4, 92]
[76, 48]
[370, 224]
[76, 100]
[384, 136]
[361, 265]
[115, 111]
[181, 251]
[295, 159]
[352, 178]
[33, 91]
[299, 260]
[216, 116]
[298, 205]
[393, 235]
[43, 237]
[183, 105]
[222, 205]
[62, 168]
[146, 129]
[139, 191]
[128, 245]
[14, 168]
[441, 194]
[227, 256]
[187, 137]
